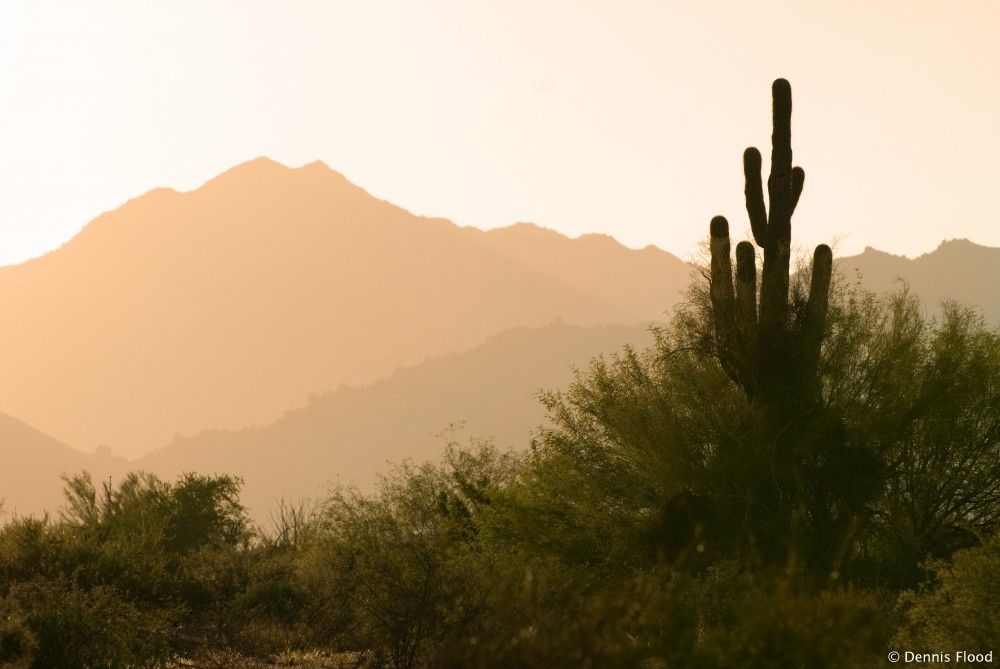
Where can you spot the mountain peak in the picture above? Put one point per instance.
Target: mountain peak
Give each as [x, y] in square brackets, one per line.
[218, 306]
[264, 170]
[961, 244]
[524, 230]
[961, 252]
[879, 252]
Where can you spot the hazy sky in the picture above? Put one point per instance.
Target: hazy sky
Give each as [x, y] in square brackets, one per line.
[625, 117]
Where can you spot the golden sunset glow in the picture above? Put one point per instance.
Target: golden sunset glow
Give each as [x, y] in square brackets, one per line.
[474, 334]
[619, 118]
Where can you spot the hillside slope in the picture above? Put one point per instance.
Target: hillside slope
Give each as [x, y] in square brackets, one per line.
[350, 434]
[223, 306]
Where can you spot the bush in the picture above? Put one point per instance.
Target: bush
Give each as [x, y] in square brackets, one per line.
[111, 581]
[33, 547]
[959, 608]
[658, 455]
[17, 643]
[779, 626]
[70, 627]
[398, 563]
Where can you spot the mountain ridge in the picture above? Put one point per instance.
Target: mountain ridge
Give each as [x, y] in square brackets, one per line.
[958, 269]
[345, 435]
[221, 306]
[250, 286]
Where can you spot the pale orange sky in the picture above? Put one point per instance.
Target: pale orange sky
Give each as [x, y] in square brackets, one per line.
[627, 118]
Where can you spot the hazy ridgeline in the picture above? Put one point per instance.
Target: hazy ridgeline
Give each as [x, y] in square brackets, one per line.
[794, 472]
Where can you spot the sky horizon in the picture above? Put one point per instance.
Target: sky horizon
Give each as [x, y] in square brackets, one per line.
[628, 120]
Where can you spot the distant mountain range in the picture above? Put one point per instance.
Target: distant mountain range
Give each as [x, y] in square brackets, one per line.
[213, 312]
[956, 270]
[345, 435]
[350, 434]
[226, 305]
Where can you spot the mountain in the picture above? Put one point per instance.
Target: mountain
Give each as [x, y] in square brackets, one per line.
[350, 434]
[33, 463]
[223, 306]
[958, 269]
[655, 273]
[347, 435]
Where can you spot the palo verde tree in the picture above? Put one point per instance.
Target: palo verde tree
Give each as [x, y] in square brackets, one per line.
[768, 341]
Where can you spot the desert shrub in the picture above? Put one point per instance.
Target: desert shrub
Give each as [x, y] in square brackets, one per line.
[250, 598]
[17, 642]
[33, 547]
[937, 425]
[658, 455]
[535, 618]
[780, 625]
[73, 627]
[149, 558]
[959, 607]
[398, 563]
[663, 617]
[140, 536]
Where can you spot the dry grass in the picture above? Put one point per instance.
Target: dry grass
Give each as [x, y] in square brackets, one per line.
[287, 660]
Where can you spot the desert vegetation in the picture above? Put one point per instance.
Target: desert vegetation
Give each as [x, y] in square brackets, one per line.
[798, 473]
[621, 538]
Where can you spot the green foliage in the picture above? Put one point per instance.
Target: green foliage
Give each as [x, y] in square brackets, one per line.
[722, 617]
[654, 455]
[193, 512]
[31, 547]
[72, 627]
[959, 608]
[617, 479]
[17, 642]
[779, 627]
[205, 511]
[400, 563]
[108, 583]
[538, 619]
[948, 491]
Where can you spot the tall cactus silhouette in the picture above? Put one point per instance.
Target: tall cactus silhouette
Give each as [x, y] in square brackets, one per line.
[785, 473]
[755, 344]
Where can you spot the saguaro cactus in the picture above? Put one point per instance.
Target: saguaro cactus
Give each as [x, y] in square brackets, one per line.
[755, 345]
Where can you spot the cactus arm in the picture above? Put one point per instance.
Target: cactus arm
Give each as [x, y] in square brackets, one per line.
[798, 180]
[818, 304]
[754, 193]
[754, 339]
[819, 284]
[722, 268]
[774, 359]
[746, 291]
[746, 313]
[723, 299]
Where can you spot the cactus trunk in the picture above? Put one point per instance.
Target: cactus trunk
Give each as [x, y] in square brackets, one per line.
[754, 342]
[773, 360]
